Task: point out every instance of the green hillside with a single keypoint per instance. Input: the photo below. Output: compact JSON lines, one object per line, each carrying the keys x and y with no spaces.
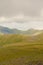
{"x":15,"y":38}
{"x":21,"y":49}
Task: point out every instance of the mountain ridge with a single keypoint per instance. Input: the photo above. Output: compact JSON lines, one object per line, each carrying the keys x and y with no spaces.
{"x":6,"y":30}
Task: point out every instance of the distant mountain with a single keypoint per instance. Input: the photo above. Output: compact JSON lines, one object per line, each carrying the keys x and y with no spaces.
{"x":6,"y":30}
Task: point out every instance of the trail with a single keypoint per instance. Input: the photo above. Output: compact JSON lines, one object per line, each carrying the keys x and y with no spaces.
{"x":15,"y":44}
{"x":36,"y":33}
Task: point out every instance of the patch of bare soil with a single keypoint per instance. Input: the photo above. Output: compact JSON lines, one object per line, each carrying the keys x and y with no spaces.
{"x":15,"y":44}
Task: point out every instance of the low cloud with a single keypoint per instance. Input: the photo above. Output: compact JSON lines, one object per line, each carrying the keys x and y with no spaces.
{"x":20,"y":19}
{"x":24,"y":25}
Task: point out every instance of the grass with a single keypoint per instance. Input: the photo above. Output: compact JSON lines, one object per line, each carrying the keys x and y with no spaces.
{"x":31,"y":53}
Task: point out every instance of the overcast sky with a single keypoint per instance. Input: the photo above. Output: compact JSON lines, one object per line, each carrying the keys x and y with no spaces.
{"x":21,"y":12}
{"x":11,"y":8}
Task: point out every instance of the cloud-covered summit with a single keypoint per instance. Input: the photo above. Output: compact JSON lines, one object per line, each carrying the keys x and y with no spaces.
{"x":21,"y":14}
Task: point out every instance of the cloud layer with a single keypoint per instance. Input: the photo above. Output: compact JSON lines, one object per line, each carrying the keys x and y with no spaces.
{"x":21,"y":14}
{"x":23,"y":26}
{"x":30,"y":8}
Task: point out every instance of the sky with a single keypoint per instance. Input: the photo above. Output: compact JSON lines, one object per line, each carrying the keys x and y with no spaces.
{"x":21,"y":14}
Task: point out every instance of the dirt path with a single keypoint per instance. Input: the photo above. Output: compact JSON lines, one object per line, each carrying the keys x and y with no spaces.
{"x":15,"y":44}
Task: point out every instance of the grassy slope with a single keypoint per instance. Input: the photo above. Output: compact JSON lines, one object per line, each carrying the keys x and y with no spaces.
{"x":31,"y":53}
